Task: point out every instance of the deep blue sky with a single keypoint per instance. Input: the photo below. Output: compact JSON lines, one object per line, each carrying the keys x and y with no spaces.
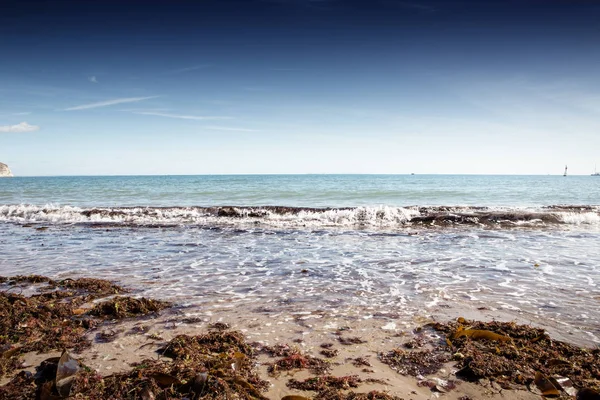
{"x":299,"y":86}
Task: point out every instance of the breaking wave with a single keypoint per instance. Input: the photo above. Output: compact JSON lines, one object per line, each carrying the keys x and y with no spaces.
{"x":279,"y":216}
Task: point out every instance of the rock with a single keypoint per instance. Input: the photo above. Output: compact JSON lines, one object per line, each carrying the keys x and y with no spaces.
{"x":4,"y":171}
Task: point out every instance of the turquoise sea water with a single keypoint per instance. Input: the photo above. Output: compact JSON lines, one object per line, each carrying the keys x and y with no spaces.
{"x":301,"y":190}
{"x":521,"y":247}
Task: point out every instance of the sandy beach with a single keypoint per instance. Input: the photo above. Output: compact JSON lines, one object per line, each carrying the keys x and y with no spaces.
{"x":355,"y":351}
{"x":118,"y":355}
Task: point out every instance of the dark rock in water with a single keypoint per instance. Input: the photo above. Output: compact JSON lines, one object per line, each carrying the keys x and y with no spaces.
{"x":228,"y":212}
{"x":4,"y":171}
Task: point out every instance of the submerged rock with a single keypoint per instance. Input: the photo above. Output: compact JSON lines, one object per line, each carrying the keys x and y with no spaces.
{"x":4,"y":171}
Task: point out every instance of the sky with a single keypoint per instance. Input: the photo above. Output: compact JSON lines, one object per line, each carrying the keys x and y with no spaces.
{"x":299,"y":86}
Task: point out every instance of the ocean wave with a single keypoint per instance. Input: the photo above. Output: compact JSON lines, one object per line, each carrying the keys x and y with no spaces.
{"x":379,"y":216}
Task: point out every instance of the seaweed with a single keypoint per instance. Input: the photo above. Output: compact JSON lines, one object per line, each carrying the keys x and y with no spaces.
{"x":415,"y":363}
{"x":9,"y":360}
{"x":51,"y":318}
{"x":92,"y":285}
{"x":336,"y":388}
{"x":219,"y":326}
{"x":208,"y":343}
{"x":202,"y":367}
{"x":107,"y":336}
{"x":528,"y":353}
{"x":125,"y":307}
{"x":416,"y":343}
{"x":88,"y":285}
{"x":508,"y":354}
{"x":328,"y":350}
{"x":39,"y":324}
{"x":334,"y":394}
{"x":279,"y":350}
{"x":350,"y":341}
{"x":361,"y":362}
{"x":139,"y":330}
{"x":21,"y":387}
{"x":297,"y":360}
{"x":329,"y":353}
{"x":321,"y":383}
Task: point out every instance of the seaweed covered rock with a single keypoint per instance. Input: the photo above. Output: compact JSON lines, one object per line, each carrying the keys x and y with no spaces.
{"x":126,"y":307}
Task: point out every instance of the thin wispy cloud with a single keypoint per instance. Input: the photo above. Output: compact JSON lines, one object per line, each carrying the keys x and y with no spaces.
{"x":108,"y":103}
{"x":186,"y":69}
{"x":22,"y":113}
{"x":179,"y":116}
{"x":93,"y":79}
{"x":19,"y":128}
{"x":145,"y":110}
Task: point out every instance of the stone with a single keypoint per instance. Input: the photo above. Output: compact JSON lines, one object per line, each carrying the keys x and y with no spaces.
{"x":4,"y":171}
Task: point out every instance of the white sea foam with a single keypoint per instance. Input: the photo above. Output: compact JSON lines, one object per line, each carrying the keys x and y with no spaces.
{"x":379,"y":216}
{"x":590,"y":218}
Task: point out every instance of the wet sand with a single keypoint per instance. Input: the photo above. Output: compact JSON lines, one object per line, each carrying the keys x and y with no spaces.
{"x":306,"y":333}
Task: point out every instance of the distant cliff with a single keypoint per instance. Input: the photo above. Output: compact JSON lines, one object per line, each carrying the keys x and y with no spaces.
{"x":4,"y":171}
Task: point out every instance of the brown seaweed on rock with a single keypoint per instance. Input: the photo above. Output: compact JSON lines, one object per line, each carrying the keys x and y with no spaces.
{"x":87,"y":285}
{"x":91,"y":285}
{"x":126,"y":307}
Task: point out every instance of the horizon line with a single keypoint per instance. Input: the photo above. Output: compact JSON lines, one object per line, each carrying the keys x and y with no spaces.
{"x":293,"y":174}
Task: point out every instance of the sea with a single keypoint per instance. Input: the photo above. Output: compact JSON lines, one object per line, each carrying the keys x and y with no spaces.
{"x":394,"y":249}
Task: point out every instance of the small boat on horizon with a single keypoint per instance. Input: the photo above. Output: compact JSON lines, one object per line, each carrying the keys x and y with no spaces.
{"x":596,"y":173}
{"x":565,"y":174}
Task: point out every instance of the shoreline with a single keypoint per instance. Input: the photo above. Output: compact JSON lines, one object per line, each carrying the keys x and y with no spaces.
{"x":116,"y":345}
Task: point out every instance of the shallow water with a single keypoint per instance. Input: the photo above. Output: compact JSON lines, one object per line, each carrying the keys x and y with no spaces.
{"x":507,"y":254}
{"x":544,"y":276}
